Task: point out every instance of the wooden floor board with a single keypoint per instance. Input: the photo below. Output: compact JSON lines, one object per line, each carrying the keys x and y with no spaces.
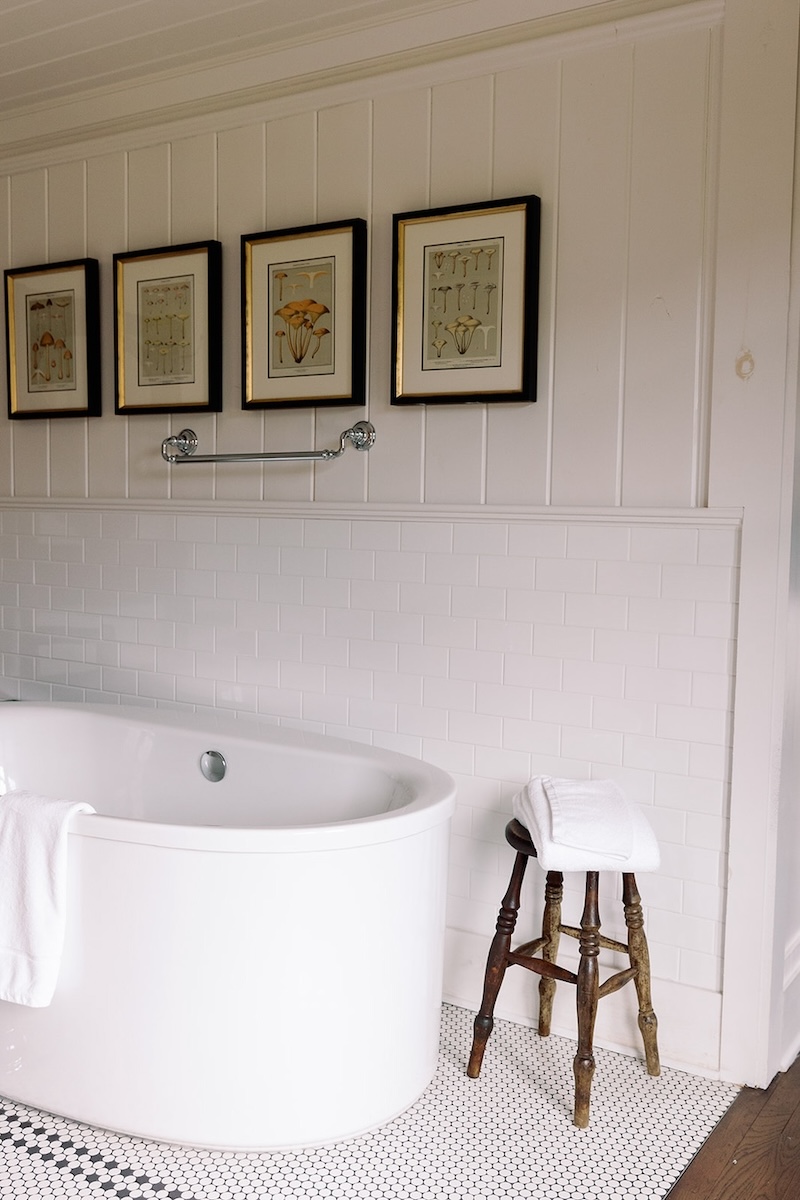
{"x":754,"y":1152}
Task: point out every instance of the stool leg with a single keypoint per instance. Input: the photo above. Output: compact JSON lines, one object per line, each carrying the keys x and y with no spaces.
{"x":640,"y":959}
{"x":551,"y":929}
{"x":588,"y":984}
{"x":496,"y":965}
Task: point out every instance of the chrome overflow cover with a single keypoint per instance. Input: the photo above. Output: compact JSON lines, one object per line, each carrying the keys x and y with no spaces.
{"x":213,"y":765}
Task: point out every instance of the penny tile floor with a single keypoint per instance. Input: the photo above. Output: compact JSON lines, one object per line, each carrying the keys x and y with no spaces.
{"x":508,"y":1134}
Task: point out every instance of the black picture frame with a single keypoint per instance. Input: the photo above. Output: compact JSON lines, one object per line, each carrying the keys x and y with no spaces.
{"x":304,"y":316}
{"x":53,"y":340}
{"x":168,"y":329}
{"x":465,"y":284}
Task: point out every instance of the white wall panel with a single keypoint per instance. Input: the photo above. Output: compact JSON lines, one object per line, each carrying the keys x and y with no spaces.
{"x":105,"y":209}
{"x":401,"y":159}
{"x":592,"y":261}
{"x":616,"y":139}
{"x":665,"y":340}
{"x":526,"y":144}
{"x":345,"y":136}
{"x":240,"y":210}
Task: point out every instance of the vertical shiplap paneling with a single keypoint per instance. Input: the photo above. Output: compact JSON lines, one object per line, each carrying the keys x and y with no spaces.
{"x":240,"y":209}
{"x":592,"y":253}
{"x":668,"y":172}
{"x":345,"y":135}
{"x":400,"y":161}
{"x":105,"y":208}
{"x":526,"y":114}
{"x":148,"y":228}
{"x":6,"y":447}
{"x":291,"y":197}
{"x":31,"y":439}
{"x":193,"y":200}
{"x":66,"y":231}
{"x":461,"y":173}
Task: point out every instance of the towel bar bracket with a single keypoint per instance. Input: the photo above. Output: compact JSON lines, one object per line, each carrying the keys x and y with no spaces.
{"x":182,"y":448}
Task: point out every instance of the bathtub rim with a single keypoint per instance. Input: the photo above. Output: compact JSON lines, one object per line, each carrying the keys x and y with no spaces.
{"x":434,"y":803}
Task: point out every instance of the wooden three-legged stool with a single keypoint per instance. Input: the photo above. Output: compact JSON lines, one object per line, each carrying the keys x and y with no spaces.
{"x":539,"y":956}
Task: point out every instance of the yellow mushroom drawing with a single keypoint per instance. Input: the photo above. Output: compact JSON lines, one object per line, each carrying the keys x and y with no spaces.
{"x":300,"y":318}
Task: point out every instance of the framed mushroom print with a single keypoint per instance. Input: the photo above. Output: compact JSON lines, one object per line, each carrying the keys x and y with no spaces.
{"x":465,"y":303}
{"x":304,"y":312}
{"x":168,"y":329}
{"x":53,"y":340}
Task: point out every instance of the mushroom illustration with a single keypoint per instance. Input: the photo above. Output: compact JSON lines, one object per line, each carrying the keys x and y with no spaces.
{"x":476,"y":251}
{"x":459,"y":288}
{"x":474,"y":285}
{"x":462,"y":331}
{"x":438,"y":258}
{"x":280,"y":335}
{"x":319,"y":334}
{"x":490,"y":252}
{"x":453,"y":255}
{"x":485,"y":330}
{"x":60,"y":346}
{"x":464,"y":259}
{"x":280,"y":276}
{"x":46,"y":341}
{"x":68,"y":363}
{"x":311,"y":276}
{"x":489,"y":288}
{"x":444,"y":290}
{"x":300,"y":317}
{"x":439,"y":345}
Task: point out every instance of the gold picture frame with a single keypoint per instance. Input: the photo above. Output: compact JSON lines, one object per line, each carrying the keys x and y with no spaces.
{"x":465,"y":303}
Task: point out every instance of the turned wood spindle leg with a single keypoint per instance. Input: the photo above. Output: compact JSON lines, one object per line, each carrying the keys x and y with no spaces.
{"x":496,"y":965}
{"x":551,"y":929}
{"x":588,"y":984}
{"x":640,"y":960}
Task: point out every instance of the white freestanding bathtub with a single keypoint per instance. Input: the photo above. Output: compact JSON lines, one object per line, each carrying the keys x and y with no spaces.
{"x":253,"y":963}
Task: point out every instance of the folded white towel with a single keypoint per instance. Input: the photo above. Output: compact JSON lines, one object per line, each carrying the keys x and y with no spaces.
{"x":33,"y":887}
{"x":585,"y":825}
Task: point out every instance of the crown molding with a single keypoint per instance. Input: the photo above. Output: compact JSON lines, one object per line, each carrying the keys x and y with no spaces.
{"x":194,"y":101}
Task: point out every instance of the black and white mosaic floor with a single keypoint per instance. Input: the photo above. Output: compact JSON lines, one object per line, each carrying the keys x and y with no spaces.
{"x":508,"y":1134}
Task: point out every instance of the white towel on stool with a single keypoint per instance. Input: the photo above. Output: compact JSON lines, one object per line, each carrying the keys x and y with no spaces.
{"x":585,"y":825}
{"x":33,"y":887}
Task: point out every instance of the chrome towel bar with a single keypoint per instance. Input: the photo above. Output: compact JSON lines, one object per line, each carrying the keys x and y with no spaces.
{"x":181,"y":447}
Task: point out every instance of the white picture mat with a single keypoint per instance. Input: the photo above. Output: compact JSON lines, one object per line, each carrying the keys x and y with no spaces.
{"x":417,"y":233}
{"x":336,"y":244}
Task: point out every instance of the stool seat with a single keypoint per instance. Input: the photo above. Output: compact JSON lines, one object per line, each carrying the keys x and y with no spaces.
{"x":540,"y":955}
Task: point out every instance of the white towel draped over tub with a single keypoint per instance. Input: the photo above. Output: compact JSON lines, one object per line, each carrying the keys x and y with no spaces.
{"x":33,"y":888}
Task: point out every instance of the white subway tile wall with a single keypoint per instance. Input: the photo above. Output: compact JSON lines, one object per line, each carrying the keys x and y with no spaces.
{"x":497,"y":649}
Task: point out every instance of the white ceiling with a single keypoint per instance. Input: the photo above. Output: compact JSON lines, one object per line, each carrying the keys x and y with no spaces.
{"x":56,"y":49}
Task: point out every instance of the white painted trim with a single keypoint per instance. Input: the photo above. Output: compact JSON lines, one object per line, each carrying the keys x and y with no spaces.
{"x":791,"y":963}
{"x":701,"y":518}
{"x":198,"y":101}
